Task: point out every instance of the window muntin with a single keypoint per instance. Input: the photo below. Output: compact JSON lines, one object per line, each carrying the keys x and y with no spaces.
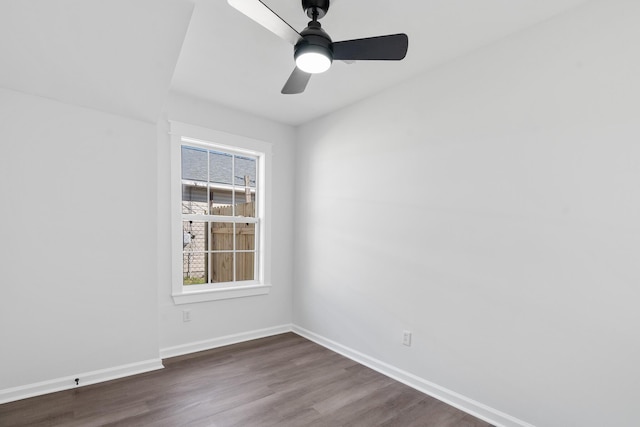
{"x":219,"y":221}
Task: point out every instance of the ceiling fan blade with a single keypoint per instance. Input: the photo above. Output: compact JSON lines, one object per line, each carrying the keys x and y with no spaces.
{"x":297,"y":82}
{"x":263,"y":15}
{"x":385,"y":48}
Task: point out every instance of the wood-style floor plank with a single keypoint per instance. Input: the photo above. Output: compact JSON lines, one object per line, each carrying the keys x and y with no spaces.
{"x":281,"y":381}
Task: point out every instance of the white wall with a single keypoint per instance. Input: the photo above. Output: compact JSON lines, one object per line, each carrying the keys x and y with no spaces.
{"x":78,"y":240}
{"x":491,"y":207}
{"x":85,"y":243}
{"x":214,"y":320}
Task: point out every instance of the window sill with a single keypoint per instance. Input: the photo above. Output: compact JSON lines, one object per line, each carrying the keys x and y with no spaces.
{"x":190,"y":297}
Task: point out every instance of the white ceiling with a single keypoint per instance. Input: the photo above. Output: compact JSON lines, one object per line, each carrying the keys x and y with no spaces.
{"x":116,"y":56}
{"x":119,"y":55}
{"x":230,"y":59}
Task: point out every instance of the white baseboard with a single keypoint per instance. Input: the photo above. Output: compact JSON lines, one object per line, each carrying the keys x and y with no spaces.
{"x":194,"y":347}
{"x":452,"y":398}
{"x":86,"y":378}
{"x":93,"y":377}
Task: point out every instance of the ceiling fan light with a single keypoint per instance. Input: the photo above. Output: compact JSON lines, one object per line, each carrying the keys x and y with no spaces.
{"x":313,"y":62}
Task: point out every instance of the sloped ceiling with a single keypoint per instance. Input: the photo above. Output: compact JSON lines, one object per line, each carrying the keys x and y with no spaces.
{"x":232,"y":60}
{"x":120,"y":56}
{"x":116,"y":56}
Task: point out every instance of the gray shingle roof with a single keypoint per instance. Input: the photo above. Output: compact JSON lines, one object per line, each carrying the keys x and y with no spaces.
{"x":221,"y":167}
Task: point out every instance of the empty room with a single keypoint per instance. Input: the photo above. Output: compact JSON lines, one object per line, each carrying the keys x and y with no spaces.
{"x":320,"y":213}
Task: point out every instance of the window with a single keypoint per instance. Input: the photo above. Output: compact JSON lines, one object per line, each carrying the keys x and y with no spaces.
{"x":219,"y":194}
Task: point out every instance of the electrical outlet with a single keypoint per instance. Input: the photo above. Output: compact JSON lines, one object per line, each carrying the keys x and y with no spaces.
{"x":186,"y":315}
{"x":406,"y":338}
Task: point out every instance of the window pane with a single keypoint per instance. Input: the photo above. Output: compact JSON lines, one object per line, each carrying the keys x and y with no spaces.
{"x":220,"y":167}
{"x":221,"y":236}
{"x":245,"y":237}
{"x":194,"y":236}
{"x":194,"y":268}
{"x":244,"y":266}
{"x":194,"y":199}
{"x":245,"y":203}
{"x":245,"y":172}
{"x":226,"y":210}
{"x":221,"y":201}
{"x":221,"y":267}
{"x":194,"y":164}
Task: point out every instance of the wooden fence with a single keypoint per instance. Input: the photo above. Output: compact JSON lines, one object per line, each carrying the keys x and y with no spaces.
{"x":222,"y":239}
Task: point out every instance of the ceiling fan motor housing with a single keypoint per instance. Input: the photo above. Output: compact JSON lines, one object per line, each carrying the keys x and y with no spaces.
{"x":314,"y":39}
{"x":319,"y":6}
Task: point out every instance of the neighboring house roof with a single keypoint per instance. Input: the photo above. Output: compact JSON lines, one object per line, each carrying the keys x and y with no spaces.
{"x":220,"y":167}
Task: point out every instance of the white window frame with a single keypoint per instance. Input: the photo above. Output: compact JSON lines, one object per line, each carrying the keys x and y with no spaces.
{"x":182,"y":133}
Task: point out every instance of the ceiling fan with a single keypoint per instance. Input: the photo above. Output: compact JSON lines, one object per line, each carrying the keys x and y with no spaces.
{"x":314,"y":51}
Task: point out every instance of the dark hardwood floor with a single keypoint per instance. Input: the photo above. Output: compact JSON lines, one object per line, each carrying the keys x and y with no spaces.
{"x":283,"y":380}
